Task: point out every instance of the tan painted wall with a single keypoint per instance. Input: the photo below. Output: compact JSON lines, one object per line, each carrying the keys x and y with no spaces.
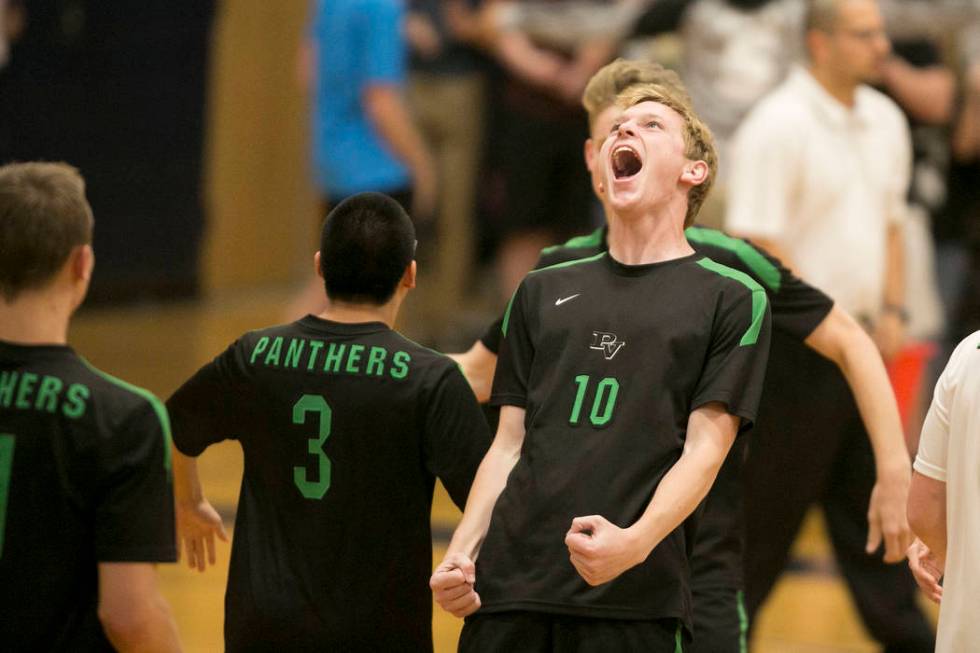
{"x":261,"y":215}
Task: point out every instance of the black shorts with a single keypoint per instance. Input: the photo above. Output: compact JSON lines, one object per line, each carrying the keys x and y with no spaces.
{"x":721,"y":624}
{"x":538,"y":632}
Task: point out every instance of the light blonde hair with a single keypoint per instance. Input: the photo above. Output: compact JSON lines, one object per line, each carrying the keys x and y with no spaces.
{"x":614,"y":78}
{"x":699,"y":144}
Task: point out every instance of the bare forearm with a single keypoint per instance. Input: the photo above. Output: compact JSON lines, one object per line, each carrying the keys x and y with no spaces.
{"x":966,"y":133}
{"x":187,"y":482}
{"x":710,"y":435}
{"x":390,"y":117}
{"x":491,"y":477}
{"x":925,"y":93}
{"x":516,"y":52}
{"x":154,"y":631}
{"x":478,"y":366}
{"x":895,"y":267}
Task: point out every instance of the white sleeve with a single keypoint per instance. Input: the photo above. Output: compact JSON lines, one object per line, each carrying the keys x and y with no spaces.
{"x":762,"y":172}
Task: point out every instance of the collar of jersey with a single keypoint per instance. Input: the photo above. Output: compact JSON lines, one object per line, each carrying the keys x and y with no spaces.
{"x":647,"y":268}
{"x":329,"y":326}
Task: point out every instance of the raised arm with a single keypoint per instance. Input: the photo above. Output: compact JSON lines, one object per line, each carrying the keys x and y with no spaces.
{"x":601,"y":551}
{"x":452,"y":582}
{"x":842,"y":340}
{"x":133,"y":613}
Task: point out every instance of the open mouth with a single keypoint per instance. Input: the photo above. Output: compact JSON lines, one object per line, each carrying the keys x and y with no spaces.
{"x":625,"y":162}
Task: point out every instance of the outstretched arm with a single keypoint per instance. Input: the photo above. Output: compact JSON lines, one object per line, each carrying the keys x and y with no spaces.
{"x":452,"y":582}
{"x":842,"y":340}
{"x":601,"y":551}
{"x":197,"y":521}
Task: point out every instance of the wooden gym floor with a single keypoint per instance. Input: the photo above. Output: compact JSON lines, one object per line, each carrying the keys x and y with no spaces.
{"x":158,"y":346}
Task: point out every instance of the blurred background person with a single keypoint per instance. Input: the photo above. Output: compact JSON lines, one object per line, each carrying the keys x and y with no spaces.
{"x":819,"y":174}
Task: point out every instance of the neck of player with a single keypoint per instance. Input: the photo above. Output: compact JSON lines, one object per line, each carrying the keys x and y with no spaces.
{"x":36,"y":318}
{"x":647,"y":238}
{"x":354,"y":313}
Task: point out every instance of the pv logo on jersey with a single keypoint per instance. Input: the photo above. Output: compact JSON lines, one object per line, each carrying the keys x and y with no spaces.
{"x":607,"y":343}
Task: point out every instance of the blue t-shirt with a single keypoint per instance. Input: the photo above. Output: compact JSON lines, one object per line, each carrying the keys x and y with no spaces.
{"x":359,"y":43}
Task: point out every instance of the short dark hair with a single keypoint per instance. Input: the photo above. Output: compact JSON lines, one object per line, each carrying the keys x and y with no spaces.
{"x":367,"y":242}
{"x":43,"y":216}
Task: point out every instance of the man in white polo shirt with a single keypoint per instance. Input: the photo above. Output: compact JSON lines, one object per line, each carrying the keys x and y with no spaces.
{"x":944,"y":500}
{"x":818,"y":176}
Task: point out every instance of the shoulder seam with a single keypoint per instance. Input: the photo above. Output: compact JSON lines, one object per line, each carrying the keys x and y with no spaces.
{"x":759,"y":299}
{"x":149,"y":397}
{"x":746,"y":252}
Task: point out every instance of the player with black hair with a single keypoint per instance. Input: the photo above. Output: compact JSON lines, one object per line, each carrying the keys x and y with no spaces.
{"x":345,"y":424}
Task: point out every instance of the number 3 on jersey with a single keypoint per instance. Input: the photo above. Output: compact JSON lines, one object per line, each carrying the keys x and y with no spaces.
{"x":6,"y":466}
{"x":314,"y":404}
{"x":603,"y":404}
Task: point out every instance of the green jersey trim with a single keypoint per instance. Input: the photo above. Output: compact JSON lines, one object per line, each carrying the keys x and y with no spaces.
{"x":593,"y":239}
{"x":157,"y":405}
{"x":743,"y":623}
{"x":753,"y":258}
{"x":751,"y":336}
{"x":565,"y":264}
{"x":678,"y":648}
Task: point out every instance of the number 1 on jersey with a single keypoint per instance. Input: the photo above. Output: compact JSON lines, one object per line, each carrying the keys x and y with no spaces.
{"x":314,"y":404}
{"x":6,"y":467}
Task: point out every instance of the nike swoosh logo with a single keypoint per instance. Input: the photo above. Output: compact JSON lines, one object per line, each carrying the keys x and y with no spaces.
{"x":559,"y":302}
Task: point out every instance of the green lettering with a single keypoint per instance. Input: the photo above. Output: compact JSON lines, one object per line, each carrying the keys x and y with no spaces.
{"x":315,"y":347}
{"x":47,"y":395}
{"x":78,"y":394}
{"x":354,"y":358}
{"x":275,"y":352}
{"x":582,"y":380}
{"x":399,"y":365}
{"x":335,"y":354}
{"x":606,"y":393}
{"x":259,"y":348}
{"x":314,"y":404}
{"x":27,"y":381}
{"x":294,"y":352}
{"x":8,"y":381}
{"x":376,"y":361}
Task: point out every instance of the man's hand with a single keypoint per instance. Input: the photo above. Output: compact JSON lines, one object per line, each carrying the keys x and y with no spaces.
{"x":887,"y":514}
{"x":452,"y":585}
{"x":926,"y":569}
{"x":600,"y":550}
{"x":197,"y":524}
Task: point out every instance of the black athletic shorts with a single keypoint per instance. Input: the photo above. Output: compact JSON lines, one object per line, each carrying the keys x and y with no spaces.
{"x":721,"y":624}
{"x":538,"y":632}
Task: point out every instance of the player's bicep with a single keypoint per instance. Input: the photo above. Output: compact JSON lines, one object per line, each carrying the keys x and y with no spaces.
{"x":711,"y":431}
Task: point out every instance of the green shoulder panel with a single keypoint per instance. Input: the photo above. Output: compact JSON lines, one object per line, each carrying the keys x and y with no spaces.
{"x":759,"y":299}
{"x":754,"y":259}
{"x":158,"y":407}
{"x":593,"y":239}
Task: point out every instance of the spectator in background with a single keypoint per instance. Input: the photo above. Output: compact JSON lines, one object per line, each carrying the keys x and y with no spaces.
{"x":354,"y":62}
{"x":537,"y":147}
{"x":364,"y":138}
{"x":446,"y":93}
{"x":819,"y":174}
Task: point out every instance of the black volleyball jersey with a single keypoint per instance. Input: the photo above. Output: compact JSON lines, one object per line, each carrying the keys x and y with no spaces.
{"x":797,"y":309}
{"x":344,"y":429}
{"x":609,"y":361}
{"x":84,"y":478}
